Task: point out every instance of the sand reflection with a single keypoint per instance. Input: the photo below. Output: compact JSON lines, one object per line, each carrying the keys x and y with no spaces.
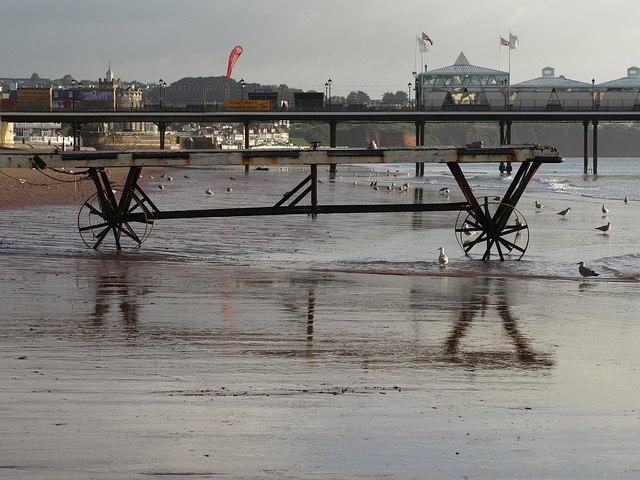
{"x":491,"y":295}
{"x":117,"y":295}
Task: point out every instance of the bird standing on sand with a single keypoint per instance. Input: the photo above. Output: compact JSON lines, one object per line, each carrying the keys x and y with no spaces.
{"x":605,"y":211}
{"x":538,"y":205}
{"x":564,"y":212}
{"x":444,"y":191}
{"x":209,"y":192}
{"x":586,"y":271}
{"x":442,"y":258}
{"x":604,"y":228}
{"x":626,"y":199}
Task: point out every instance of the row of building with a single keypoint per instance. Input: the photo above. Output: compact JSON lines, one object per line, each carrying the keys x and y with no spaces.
{"x":466,"y":86}
{"x":458,"y":86}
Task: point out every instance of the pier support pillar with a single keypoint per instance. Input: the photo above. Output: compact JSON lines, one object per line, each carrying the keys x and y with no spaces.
{"x":76,"y":131}
{"x":333,"y":142}
{"x":162,"y":129}
{"x":585,"y":146}
{"x":420,"y":143}
{"x":505,"y":139}
{"x":595,"y":147}
{"x":246,"y":142}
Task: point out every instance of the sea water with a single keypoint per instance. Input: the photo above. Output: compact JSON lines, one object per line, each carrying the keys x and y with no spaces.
{"x":391,"y":243}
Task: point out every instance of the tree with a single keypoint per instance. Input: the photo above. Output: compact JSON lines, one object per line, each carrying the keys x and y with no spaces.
{"x":358,"y":97}
{"x":66,"y":80}
{"x":398,"y":97}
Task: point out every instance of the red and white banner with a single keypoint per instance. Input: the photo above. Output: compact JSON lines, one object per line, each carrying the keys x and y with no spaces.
{"x":235,"y":53}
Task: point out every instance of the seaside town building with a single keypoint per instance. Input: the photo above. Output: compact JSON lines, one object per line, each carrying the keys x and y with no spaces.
{"x":460,"y":86}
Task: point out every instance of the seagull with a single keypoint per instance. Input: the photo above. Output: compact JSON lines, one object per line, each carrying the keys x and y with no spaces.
{"x":467,"y":231}
{"x":209,"y":192}
{"x":605,"y":211}
{"x":538,"y":205}
{"x":443,"y":259}
{"x":586,"y":271}
{"x":564,"y":212}
{"x":604,"y":228}
{"x":626,"y":199}
{"x":229,"y":189}
{"x":444,"y":191}
{"x":161,"y":187}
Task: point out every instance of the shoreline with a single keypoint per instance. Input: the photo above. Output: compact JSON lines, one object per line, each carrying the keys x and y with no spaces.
{"x":22,"y":187}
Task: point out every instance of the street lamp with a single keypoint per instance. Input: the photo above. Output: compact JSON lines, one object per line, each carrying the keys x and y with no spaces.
{"x":73,"y":94}
{"x":326,"y":94}
{"x":593,"y":98}
{"x":163,"y":86}
{"x":329,"y":84}
{"x":409,"y":91}
{"x":242,"y":87}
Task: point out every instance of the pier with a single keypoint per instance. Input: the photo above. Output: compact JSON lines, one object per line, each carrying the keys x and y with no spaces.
{"x":505,"y":119}
{"x":485,"y":229}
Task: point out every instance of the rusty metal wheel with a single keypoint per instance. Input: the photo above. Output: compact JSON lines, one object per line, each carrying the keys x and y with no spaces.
{"x":101,"y":214}
{"x":497,"y":230}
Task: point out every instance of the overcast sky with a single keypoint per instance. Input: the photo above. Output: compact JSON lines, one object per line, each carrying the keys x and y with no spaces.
{"x":367,"y":45}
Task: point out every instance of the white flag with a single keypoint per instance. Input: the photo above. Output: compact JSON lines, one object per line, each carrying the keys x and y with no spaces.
{"x":423,"y":45}
{"x":513,"y":41}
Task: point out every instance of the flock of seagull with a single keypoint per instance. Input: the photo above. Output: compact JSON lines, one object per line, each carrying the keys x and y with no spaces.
{"x":605,"y":213}
{"x":443,"y":260}
{"x":585,"y":271}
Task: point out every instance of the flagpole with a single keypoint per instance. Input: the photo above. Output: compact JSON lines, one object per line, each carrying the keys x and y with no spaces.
{"x":499,"y":47}
{"x":509,"y":79}
{"x":415,"y":56}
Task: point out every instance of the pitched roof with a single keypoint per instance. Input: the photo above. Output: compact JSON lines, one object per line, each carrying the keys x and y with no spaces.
{"x":463,"y":67}
{"x":548,"y":82}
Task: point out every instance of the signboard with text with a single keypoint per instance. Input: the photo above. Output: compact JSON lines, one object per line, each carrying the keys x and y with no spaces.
{"x":259,"y":105}
{"x":97,"y":95}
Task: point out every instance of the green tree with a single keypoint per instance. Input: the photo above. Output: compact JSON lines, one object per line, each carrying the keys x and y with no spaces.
{"x":358,"y":97}
{"x":398,"y":97}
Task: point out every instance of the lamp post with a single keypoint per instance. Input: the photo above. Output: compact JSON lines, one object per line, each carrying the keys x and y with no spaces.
{"x":73,"y":94}
{"x":326,"y":95}
{"x":328,"y":84}
{"x":163,"y":87}
{"x":242,"y":87}
{"x":409,"y":93}
{"x":593,"y":98}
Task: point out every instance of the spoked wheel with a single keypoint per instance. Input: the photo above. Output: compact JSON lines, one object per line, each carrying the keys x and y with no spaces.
{"x":100,"y":215}
{"x":497,"y":230}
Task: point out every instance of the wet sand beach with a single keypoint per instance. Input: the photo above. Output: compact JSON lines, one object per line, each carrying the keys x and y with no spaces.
{"x":335,"y":348}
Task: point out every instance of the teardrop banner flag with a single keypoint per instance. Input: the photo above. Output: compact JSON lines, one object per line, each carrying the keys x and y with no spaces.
{"x":233,"y":57}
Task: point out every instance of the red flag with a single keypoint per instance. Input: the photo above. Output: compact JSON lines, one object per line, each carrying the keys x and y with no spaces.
{"x":504,"y":42}
{"x":235,"y":53}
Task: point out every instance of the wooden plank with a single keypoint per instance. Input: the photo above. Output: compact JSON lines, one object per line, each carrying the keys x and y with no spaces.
{"x":289,"y":157}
